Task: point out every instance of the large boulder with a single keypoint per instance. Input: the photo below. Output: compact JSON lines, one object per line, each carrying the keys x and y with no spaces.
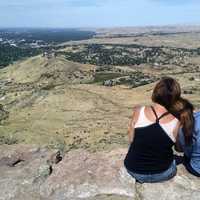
{"x":22,"y":170}
{"x":38,"y":173}
{"x":83,"y":175}
{"x":183,"y":186}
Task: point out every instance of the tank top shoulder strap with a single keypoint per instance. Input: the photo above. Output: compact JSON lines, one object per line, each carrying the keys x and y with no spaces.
{"x":163,"y":115}
{"x":140,"y":115}
{"x":142,"y":110}
{"x":158,"y":118}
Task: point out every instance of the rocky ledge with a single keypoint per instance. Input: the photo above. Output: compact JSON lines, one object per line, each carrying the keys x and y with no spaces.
{"x":38,"y":173}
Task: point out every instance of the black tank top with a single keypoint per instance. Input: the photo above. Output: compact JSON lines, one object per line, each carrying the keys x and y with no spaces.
{"x":151,"y":150}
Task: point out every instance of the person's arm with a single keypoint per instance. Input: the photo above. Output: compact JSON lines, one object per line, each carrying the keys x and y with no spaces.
{"x":131,"y":126}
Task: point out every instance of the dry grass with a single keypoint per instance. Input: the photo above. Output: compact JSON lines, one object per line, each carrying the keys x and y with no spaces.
{"x":83,"y":115}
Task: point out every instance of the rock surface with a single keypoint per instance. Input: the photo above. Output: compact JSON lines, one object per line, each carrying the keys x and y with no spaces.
{"x":38,"y":173}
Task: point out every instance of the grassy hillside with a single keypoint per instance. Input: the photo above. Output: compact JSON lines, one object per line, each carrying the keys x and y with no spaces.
{"x":37,"y":68}
{"x":58,"y":103}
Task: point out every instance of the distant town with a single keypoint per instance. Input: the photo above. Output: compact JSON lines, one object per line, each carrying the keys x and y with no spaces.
{"x":16,"y":44}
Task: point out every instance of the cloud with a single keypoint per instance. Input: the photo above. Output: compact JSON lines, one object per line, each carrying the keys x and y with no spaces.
{"x":85,"y":13}
{"x":51,"y":3}
{"x":31,"y":4}
{"x":84,"y":3}
{"x":175,"y":2}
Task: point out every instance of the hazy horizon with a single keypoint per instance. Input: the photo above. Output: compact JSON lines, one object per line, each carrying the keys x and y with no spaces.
{"x":100,"y":27}
{"x":98,"y":13}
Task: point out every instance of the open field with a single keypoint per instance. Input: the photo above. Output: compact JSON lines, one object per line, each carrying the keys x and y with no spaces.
{"x":67,"y":105}
{"x":179,"y":40}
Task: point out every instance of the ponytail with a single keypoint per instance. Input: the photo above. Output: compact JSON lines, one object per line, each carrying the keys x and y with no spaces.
{"x":183,"y":110}
{"x":167,"y":93}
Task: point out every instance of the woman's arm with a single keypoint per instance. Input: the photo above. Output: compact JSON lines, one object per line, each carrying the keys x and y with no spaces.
{"x":131,"y":126}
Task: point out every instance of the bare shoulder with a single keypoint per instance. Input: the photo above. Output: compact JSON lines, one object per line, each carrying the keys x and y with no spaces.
{"x":135,"y":112}
{"x":136,"y":109}
{"x":148,"y":109}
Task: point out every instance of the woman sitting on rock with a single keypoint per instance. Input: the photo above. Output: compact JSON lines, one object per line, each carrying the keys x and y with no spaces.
{"x":152,"y":133}
{"x":190,"y":146}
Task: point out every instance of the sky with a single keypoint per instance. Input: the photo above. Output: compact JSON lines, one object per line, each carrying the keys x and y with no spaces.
{"x":98,"y":13}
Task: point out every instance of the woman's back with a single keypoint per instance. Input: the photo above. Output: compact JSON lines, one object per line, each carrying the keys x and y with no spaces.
{"x":147,"y":117}
{"x":151,"y":149}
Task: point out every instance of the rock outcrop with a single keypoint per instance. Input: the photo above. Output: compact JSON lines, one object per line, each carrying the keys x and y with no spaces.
{"x":38,"y":173}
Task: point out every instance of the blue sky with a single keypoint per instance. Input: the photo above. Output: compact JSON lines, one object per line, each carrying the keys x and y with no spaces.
{"x":97,"y":13}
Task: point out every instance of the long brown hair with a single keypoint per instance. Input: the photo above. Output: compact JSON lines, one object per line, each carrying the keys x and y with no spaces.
{"x":167,"y":93}
{"x":183,"y":110}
